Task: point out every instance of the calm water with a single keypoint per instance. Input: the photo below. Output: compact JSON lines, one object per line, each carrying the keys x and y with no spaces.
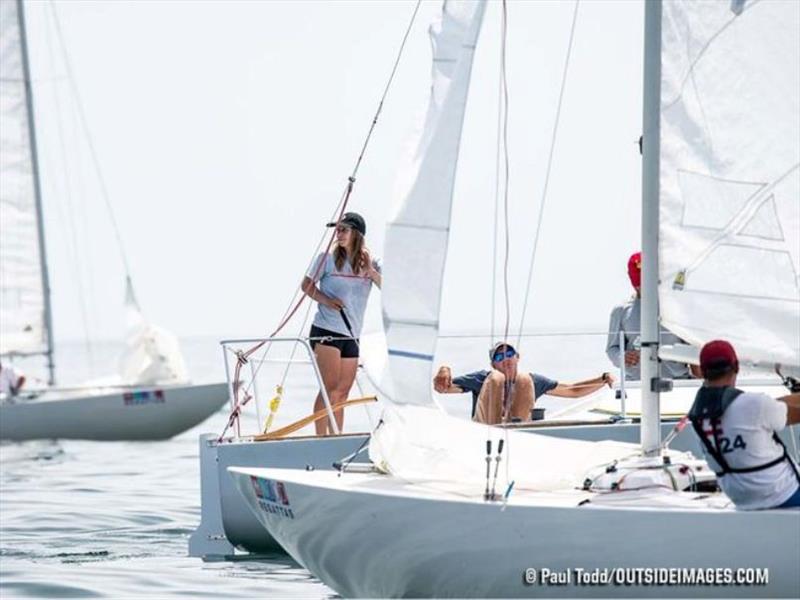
{"x":112,"y":519}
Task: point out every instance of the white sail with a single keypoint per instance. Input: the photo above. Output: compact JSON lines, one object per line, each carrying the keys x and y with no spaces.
{"x":417,"y":441}
{"x":425,"y":445}
{"x":152,"y":355}
{"x":416,"y":236}
{"x":730,"y":175}
{"x":22,"y":302}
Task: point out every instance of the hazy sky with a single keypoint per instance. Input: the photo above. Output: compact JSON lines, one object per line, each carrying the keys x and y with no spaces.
{"x":226,"y":132}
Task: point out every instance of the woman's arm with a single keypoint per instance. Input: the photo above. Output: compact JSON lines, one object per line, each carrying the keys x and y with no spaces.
{"x":369,"y":268}
{"x":311,"y":290}
{"x":376,"y":277}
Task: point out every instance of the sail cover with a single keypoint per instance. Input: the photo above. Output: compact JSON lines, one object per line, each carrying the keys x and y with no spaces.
{"x":22,"y":319}
{"x":416,"y":235}
{"x":730,"y":175}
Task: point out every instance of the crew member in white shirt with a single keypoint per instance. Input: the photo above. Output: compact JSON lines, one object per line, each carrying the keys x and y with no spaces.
{"x":738,"y":433}
{"x":11,"y":381}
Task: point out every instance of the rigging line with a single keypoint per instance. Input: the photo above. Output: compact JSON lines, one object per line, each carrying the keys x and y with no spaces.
{"x":493,"y":330}
{"x":89,"y":141}
{"x":65,"y":171}
{"x":237,"y":405}
{"x":504,"y":79}
{"x":299,"y":296}
{"x":385,"y":90}
{"x":352,"y":178}
{"x":549,"y":165}
{"x":342,"y":203}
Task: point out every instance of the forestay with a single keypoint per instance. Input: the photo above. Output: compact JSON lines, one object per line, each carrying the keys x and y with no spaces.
{"x":22,"y":303}
{"x":730,"y":175}
{"x":416,"y":236}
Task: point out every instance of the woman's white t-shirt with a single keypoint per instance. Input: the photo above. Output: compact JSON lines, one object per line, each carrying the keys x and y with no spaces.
{"x":353,"y":290}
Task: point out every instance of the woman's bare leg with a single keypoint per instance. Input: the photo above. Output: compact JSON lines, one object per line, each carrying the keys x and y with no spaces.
{"x":329,"y":361}
{"x":347,"y":375}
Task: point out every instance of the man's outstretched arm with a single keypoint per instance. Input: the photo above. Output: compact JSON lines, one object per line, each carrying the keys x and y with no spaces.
{"x":443,"y":382}
{"x":580,"y":389}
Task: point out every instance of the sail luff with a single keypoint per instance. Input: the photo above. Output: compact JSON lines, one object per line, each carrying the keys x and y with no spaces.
{"x":25,"y":314}
{"x":416,"y":241}
{"x":37,"y":192}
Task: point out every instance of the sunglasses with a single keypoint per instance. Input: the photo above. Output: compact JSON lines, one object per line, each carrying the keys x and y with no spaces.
{"x":500,"y":355}
{"x":342,"y":228}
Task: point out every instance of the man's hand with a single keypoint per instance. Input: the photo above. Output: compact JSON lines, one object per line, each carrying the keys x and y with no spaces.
{"x":631,"y":358}
{"x":608,"y":379}
{"x":443,"y":380}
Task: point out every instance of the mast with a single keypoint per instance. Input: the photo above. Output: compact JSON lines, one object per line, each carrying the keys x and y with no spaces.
{"x":650,"y":430}
{"x":48,"y":315}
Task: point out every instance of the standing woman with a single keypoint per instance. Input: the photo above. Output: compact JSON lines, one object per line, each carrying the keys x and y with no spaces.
{"x":345,"y":280}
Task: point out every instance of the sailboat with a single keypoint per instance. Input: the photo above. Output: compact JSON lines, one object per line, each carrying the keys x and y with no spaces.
{"x":226,"y":521}
{"x":571,"y":518}
{"x":151,"y":398}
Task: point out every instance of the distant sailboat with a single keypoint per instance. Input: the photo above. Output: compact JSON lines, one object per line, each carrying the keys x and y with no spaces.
{"x":721,"y":83}
{"x":150,"y":398}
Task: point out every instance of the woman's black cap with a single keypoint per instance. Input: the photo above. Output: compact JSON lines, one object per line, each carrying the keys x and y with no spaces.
{"x":351,"y":219}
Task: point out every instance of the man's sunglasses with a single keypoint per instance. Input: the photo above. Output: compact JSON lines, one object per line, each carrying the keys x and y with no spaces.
{"x":500,"y":355}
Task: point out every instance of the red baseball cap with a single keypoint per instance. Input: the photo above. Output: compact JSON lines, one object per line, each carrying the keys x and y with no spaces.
{"x":718,"y":353}
{"x":635,"y":269}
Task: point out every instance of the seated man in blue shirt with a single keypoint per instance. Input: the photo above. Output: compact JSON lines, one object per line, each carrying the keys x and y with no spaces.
{"x":503,"y":394}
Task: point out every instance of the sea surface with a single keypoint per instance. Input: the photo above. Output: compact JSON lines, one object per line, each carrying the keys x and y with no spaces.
{"x":112,"y":519}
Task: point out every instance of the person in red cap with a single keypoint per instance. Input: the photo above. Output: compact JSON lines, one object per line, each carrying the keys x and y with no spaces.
{"x":738,"y":432}
{"x":504,"y":394}
{"x":627,"y":318}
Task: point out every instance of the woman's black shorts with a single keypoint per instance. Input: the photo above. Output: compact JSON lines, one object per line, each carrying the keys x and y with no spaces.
{"x":347,"y":346}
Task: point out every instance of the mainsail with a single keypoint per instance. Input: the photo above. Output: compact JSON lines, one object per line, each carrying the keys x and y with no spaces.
{"x":23,"y":305}
{"x":416,"y":236}
{"x":730,"y":175}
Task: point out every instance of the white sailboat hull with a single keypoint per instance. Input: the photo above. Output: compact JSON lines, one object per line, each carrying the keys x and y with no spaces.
{"x":445,"y":545}
{"x":146,"y":413}
{"x":227,"y":522}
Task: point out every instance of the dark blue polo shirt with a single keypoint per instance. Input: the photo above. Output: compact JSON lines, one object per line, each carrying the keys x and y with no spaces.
{"x":472,"y":382}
